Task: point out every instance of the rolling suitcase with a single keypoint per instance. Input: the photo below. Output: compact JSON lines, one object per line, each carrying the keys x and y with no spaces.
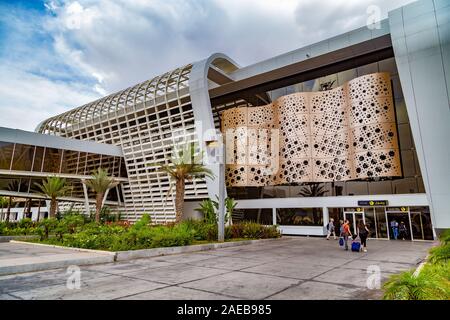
{"x":356,"y":246}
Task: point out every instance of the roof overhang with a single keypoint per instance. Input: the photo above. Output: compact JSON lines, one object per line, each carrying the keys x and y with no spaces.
{"x":49,"y":141}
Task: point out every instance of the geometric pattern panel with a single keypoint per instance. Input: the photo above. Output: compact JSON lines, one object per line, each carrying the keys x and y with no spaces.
{"x":346,"y":133}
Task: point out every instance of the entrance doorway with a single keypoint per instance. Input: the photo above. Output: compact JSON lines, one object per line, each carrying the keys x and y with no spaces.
{"x":417,"y":221}
{"x":354,"y":215}
{"x":399,"y":223}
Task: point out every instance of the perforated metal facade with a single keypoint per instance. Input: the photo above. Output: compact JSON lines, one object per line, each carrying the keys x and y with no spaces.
{"x":347,"y":133}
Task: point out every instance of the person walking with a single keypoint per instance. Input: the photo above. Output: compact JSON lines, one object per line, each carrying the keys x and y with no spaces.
{"x":330,"y":229}
{"x":363,"y":233}
{"x":394,"y":228}
{"x":346,"y":233}
{"x":403,"y":231}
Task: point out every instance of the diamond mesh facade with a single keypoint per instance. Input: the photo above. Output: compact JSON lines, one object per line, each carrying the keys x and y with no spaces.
{"x":145,"y":120}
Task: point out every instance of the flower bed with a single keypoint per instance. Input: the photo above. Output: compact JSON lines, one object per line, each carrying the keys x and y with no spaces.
{"x":73,"y":232}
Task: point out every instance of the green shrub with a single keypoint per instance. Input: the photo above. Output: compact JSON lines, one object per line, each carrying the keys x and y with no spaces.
{"x":441,"y":269}
{"x":71,"y":223}
{"x":445,"y":237}
{"x":46,"y":226}
{"x":440,"y":253}
{"x":270,"y":232}
{"x":143,"y":222}
{"x":234,"y":231}
{"x":426,"y":286}
{"x":252,"y":230}
{"x":210,"y":208}
{"x":178,"y":236}
{"x":25,"y":223}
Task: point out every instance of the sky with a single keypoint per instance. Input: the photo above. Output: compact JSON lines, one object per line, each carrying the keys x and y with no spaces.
{"x":59,"y":54}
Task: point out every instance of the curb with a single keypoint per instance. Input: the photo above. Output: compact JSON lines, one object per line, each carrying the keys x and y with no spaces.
{"x":110,"y":253}
{"x":4,"y":239}
{"x":44,"y":266}
{"x":155,"y":252}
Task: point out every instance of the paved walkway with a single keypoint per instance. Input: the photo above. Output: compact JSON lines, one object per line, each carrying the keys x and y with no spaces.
{"x":18,"y":257}
{"x":289,"y":268}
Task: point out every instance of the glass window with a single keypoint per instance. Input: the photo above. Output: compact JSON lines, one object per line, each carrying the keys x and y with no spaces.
{"x":6,"y":151}
{"x":9,"y":184}
{"x":24,"y":185}
{"x":23,"y":157}
{"x":422,"y":228}
{"x":300,"y":216}
{"x":262,"y":216}
{"x":369,"y":216}
{"x":38,"y":157}
{"x":52,"y":160}
{"x":381,"y":222}
{"x":70,"y":161}
{"x":82,"y":163}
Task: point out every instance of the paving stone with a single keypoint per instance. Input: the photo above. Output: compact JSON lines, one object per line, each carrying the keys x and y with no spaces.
{"x":227,"y":263}
{"x":110,"y":287}
{"x":175,"y":274}
{"x":348,"y":277}
{"x":312,"y":290}
{"x":33,"y":280}
{"x":242,"y":285}
{"x":177,"y":293}
{"x":289,"y":269}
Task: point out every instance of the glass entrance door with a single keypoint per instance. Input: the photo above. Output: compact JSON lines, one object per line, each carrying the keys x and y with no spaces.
{"x":354,"y":215}
{"x":399,"y":223}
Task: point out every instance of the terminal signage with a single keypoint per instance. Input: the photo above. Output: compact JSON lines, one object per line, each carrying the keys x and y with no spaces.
{"x":372,"y":203}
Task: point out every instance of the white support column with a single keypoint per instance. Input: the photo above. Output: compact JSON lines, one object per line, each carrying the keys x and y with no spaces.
{"x":274,"y":216}
{"x":326,"y":218}
{"x":86,"y":199}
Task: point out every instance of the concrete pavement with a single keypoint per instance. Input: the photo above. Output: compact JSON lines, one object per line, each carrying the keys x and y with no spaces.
{"x":18,"y":257}
{"x":289,"y":268}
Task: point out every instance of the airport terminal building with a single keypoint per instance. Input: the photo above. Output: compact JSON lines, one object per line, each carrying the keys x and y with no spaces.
{"x":356,"y":126}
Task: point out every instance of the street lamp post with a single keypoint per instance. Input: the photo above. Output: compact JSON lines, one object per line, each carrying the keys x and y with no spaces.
{"x":216,"y":152}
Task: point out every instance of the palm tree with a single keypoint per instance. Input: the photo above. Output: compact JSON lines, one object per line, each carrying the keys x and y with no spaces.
{"x":185,"y":164}
{"x":100,"y":184}
{"x":53,"y":188}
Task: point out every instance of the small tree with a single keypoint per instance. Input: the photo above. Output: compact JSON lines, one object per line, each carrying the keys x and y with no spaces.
{"x":53,"y":188}
{"x":100,"y":184}
{"x":185,"y":164}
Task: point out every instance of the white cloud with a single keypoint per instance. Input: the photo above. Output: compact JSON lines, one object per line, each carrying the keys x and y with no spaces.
{"x":27,"y":99}
{"x":129,"y":41}
{"x":107,"y":45}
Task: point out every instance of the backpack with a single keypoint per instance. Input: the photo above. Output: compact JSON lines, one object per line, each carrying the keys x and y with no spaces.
{"x":341,"y":241}
{"x":362,"y":231}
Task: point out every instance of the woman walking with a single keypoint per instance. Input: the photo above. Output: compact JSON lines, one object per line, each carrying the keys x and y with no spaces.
{"x":363,"y":233}
{"x":346,"y":233}
{"x":330,"y":229}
